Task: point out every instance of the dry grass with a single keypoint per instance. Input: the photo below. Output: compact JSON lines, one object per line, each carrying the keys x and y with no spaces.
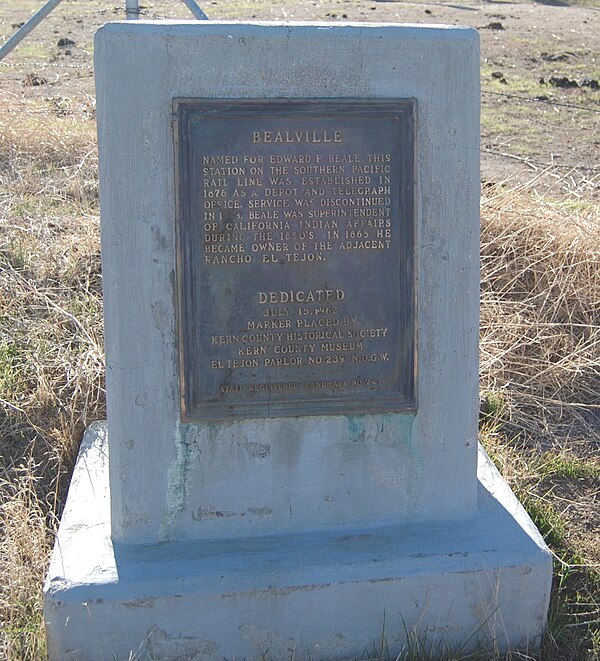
{"x":540,"y":383}
{"x":51,"y":357}
{"x":540,"y":376}
{"x":26,"y":537}
{"x":540,"y":315}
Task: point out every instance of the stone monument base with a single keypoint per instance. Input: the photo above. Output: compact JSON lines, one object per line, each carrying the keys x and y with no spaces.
{"x":484,"y":582}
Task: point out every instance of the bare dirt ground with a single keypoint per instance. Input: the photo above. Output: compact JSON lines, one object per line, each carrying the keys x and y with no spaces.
{"x":540,"y":66}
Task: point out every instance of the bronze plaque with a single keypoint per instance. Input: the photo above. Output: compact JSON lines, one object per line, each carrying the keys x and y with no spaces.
{"x":295,"y":257}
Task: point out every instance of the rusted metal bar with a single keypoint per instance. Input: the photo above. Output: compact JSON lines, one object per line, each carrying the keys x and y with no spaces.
{"x":132,"y":12}
{"x":195,"y":9}
{"x":27,"y":27}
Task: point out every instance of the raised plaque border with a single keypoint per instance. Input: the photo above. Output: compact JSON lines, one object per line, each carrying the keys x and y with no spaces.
{"x":318,"y":405}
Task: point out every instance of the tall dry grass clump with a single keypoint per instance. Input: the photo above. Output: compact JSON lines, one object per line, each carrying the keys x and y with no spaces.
{"x":25,"y":538}
{"x":540,"y":384}
{"x":51,"y":357}
{"x":540,"y":316}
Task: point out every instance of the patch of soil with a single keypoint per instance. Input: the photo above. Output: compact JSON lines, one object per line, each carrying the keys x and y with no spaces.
{"x":546,"y":132}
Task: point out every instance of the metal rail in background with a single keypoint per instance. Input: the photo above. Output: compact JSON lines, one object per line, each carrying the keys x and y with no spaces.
{"x":193,"y":7}
{"x":26,"y":28}
{"x":132,"y":12}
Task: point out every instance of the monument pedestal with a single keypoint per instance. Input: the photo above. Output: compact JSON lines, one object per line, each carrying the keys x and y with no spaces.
{"x":483,"y":581}
{"x":291,"y":276}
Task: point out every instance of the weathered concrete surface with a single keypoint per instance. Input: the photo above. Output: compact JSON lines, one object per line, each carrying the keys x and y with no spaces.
{"x":168,"y":480}
{"x":485,"y":579}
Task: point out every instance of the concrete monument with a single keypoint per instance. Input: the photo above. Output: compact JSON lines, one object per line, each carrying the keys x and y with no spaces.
{"x":290,"y":260}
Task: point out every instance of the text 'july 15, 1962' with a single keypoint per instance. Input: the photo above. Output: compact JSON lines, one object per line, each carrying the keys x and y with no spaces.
{"x":295,"y":257}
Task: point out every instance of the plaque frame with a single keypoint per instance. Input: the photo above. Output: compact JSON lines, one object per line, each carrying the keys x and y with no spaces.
{"x":402,"y":400}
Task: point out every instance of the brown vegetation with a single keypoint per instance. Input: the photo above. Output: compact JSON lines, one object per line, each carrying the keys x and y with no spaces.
{"x":51,"y":356}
